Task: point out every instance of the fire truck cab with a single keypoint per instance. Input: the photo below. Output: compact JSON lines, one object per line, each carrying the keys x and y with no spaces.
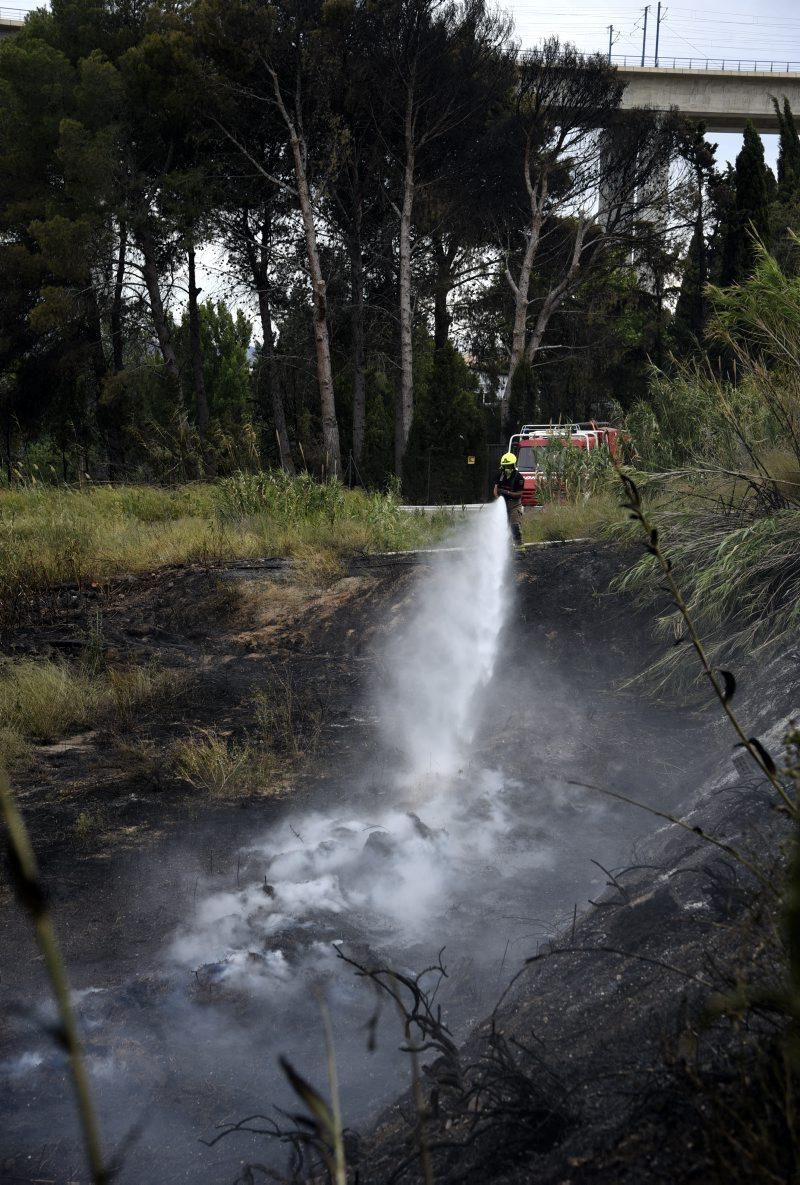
{"x":532,"y":438}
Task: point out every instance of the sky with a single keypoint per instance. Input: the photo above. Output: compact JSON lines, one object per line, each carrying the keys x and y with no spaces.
{"x":728,"y":29}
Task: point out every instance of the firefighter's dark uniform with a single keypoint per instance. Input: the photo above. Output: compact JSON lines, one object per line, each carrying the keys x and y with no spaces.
{"x":508,"y":484}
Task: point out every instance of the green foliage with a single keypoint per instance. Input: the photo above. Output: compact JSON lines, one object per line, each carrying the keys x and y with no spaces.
{"x":732,"y":528}
{"x":694,"y":418}
{"x":788,"y":150}
{"x":691,"y":311}
{"x":50,"y":535}
{"x":224,"y":340}
{"x":572,"y":474}
{"x":739,"y":573}
{"x":697,"y":417}
{"x":761,"y":319}
{"x":283,"y":498}
{"x":105,"y":150}
{"x":448,"y":427}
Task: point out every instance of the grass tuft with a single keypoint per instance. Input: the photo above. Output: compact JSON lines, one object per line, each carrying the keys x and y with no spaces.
{"x":222,"y":767}
{"x":43,"y":700}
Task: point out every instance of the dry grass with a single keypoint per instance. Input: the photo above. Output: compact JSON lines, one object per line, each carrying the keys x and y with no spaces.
{"x":590,"y":519}
{"x":43,"y":700}
{"x":13,"y":746}
{"x":51,"y":536}
{"x":288,"y":721}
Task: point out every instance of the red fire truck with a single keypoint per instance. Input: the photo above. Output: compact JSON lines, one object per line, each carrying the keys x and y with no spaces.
{"x":532,"y":438}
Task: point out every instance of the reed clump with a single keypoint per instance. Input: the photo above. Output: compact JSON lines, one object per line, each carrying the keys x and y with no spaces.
{"x":720,"y":448}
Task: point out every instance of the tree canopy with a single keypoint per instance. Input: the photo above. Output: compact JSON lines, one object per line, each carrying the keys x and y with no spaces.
{"x":357,"y":238}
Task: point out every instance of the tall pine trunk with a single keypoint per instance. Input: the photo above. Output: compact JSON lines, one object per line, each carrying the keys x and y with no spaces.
{"x":359,"y":345}
{"x":330,"y":425}
{"x":405,"y":403}
{"x":270,"y":396}
{"x":521,"y":290}
{"x":117,"y":340}
{"x":522,"y":285}
{"x":160,"y":321}
{"x":322,"y":343}
{"x":196,"y":349}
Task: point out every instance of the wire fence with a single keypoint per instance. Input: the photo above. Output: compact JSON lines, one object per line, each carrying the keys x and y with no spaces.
{"x":729,"y":65}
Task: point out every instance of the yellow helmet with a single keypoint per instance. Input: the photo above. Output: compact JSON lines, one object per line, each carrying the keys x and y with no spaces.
{"x":508,"y":461}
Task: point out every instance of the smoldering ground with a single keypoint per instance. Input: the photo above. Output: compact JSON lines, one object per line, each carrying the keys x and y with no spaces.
{"x":495,"y":690}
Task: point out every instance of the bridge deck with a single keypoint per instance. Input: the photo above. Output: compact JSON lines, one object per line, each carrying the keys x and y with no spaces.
{"x":722,"y":99}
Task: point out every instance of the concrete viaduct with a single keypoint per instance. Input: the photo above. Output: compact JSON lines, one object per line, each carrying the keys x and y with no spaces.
{"x":724,"y":99}
{"x":11,"y":20}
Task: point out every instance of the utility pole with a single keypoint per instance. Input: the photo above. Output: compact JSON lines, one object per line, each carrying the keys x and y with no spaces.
{"x":658,"y":29}
{"x":610,"y":41}
{"x":644,"y":34}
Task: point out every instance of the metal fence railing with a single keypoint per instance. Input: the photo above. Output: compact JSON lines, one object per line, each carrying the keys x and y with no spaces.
{"x":729,"y":65}
{"x":13,"y":14}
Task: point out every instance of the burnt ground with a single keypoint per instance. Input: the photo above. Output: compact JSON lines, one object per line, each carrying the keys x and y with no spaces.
{"x":600,"y":1022}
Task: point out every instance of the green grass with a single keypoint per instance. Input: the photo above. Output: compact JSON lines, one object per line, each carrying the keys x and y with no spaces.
{"x":53,"y":535}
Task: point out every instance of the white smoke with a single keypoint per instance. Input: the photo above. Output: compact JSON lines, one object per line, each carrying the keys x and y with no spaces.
{"x":436,"y":667}
{"x":396,"y":876}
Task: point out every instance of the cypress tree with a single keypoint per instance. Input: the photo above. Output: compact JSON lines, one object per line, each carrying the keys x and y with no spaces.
{"x":691,"y":310}
{"x":753,"y":183}
{"x":788,"y":150}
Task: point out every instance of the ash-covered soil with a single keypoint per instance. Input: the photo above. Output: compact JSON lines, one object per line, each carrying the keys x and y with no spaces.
{"x":177,"y":1052}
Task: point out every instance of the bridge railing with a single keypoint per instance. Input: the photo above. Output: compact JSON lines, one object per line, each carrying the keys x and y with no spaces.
{"x":729,"y":65}
{"x":13,"y":14}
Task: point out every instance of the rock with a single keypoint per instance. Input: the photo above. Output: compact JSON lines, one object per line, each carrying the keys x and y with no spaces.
{"x":380,"y":844}
{"x":423,"y":830}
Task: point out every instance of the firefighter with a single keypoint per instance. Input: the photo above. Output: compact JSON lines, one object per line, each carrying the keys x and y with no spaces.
{"x":509,"y":485}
